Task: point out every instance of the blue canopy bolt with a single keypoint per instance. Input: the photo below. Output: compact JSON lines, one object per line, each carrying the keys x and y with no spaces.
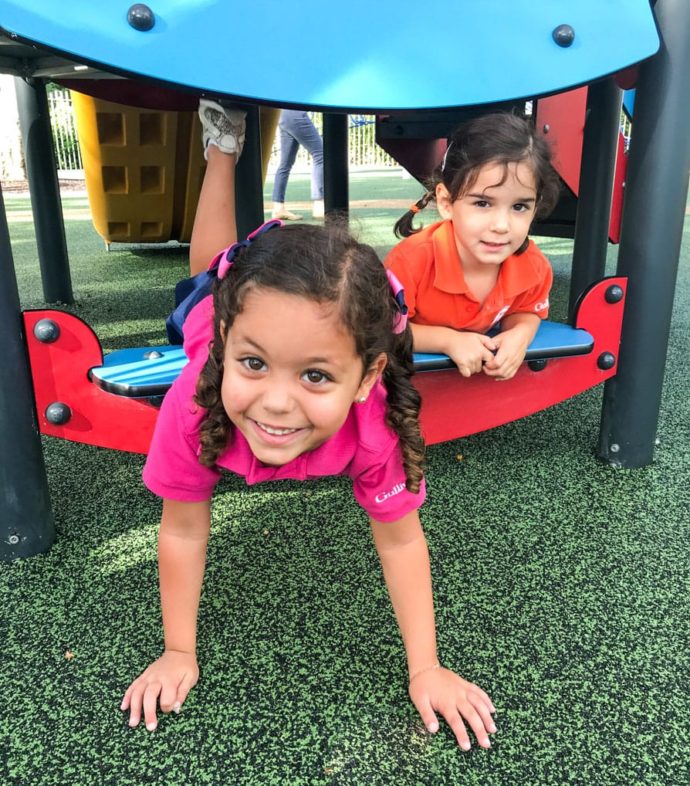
{"x":141,"y":17}
{"x":563,"y":35}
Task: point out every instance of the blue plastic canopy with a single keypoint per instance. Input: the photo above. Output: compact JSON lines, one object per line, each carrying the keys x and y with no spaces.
{"x":356,"y":56}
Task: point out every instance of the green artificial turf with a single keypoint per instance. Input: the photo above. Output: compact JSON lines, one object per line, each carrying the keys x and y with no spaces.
{"x":561,"y":587}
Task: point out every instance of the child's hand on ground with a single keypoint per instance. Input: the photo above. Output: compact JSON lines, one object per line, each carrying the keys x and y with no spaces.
{"x":441,"y":690}
{"x":166,"y":682}
{"x":512,"y":347}
{"x":469,"y":351}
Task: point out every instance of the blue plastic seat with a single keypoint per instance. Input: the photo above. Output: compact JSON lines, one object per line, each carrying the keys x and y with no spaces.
{"x":148,"y":372}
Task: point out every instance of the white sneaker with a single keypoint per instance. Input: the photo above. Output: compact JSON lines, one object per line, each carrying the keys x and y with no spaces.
{"x":318,"y":209}
{"x":222,"y":127}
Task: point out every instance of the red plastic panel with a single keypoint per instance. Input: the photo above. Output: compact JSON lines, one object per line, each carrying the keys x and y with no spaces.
{"x":561,"y":119}
{"x":60,"y":374}
{"x":453,"y":406}
{"x":564,"y":117}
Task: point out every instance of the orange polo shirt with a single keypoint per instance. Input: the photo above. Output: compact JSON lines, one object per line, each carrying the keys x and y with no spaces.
{"x":429,"y":268}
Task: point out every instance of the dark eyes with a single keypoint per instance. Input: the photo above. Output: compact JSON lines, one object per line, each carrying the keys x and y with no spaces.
{"x":253,"y":364}
{"x":519,"y":207}
{"x":315,"y":377}
{"x":312,"y":375}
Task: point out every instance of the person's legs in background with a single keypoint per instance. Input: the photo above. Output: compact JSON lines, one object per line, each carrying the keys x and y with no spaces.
{"x":288,"y":152}
{"x":304,"y":131}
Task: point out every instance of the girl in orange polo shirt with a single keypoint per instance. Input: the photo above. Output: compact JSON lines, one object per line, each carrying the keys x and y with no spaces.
{"x":477,"y":269}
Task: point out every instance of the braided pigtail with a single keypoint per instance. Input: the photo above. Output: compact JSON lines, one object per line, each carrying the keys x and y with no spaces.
{"x":403,"y":226}
{"x":402,"y":413}
{"x":215,"y":427}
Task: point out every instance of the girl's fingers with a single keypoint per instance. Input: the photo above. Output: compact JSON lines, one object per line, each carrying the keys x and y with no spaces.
{"x":483,"y":696}
{"x":182,"y":690}
{"x":126,"y":698}
{"x":150,"y":705}
{"x":454,"y":720}
{"x":135,"y":704}
{"x":427,"y":714}
{"x":484,"y":712}
{"x":168,"y":696}
{"x":476,"y":724}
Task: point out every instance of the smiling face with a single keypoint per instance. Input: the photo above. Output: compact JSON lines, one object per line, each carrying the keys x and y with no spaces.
{"x":291,"y":374}
{"x":491,"y":219}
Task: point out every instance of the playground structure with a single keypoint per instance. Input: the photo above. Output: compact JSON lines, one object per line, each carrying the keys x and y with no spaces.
{"x":554,"y":54}
{"x":143,"y":165}
{"x":112,"y":402}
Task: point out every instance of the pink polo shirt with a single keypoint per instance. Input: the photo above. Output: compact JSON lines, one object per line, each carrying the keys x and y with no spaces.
{"x":364,"y":448}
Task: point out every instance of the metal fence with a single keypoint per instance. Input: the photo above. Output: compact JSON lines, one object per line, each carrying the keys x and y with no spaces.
{"x":62,"y":121}
{"x":363,"y":150}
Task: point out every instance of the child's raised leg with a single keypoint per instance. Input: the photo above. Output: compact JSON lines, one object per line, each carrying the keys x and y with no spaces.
{"x":214,"y":223}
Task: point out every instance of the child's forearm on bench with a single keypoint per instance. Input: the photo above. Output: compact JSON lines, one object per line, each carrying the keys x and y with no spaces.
{"x":432,"y":338}
{"x":527,"y":323}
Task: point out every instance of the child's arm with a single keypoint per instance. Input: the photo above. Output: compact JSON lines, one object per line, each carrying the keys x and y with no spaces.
{"x":517,"y":332}
{"x":404,"y":556}
{"x":469,"y":351}
{"x":214,"y":221}
{"x":181,"y":559}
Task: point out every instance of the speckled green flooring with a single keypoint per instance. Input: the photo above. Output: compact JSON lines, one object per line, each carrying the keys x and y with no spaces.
{"x":561,"y":587}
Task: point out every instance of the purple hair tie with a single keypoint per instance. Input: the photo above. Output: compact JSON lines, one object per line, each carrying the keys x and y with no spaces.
{"x":225,"y":259}
{"x":399,"y":294}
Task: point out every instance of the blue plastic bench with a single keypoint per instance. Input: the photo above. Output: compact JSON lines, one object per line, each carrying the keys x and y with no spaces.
{"x":147,"y":372}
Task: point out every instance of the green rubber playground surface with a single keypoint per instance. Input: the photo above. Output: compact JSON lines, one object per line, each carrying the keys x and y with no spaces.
{"x":562,"y":587}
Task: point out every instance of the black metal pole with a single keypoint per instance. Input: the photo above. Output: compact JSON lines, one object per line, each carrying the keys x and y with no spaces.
{"x":653,"y":216}
{"x":41,"y":170}
{"x":335,"y":163}
{"x":249,"y":193}
{"x":26,"y":520}
{"x":600,"y":142}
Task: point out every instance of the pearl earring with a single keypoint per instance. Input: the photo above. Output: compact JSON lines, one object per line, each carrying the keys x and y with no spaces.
{"x":361,"y":399}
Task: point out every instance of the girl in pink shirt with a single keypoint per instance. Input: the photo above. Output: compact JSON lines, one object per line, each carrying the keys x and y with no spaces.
{"x":299,"y":367}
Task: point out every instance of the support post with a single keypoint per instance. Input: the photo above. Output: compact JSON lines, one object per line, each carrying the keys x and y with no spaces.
{"x":249,"y":186}
{"x":41,"y":170}
{"x":599,"y":146}
{"x":335,"y":163}
{"x":653,"y":216}
{"x":26,"y":520}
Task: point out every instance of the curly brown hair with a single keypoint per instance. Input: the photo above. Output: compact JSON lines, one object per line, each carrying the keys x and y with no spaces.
{"x":325,"y":264}
{"x":496,"y":138}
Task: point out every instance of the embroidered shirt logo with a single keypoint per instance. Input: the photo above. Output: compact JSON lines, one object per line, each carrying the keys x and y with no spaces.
{"x":499,"y":316}
{"x":384,"y":495}
{"x":542,"y":306}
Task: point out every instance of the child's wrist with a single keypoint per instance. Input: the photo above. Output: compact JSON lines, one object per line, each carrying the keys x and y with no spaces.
{"x":423,"y":670}
{"x":181,"y":651}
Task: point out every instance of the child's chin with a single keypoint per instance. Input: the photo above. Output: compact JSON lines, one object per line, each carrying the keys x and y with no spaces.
{"x":278,"y":455}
